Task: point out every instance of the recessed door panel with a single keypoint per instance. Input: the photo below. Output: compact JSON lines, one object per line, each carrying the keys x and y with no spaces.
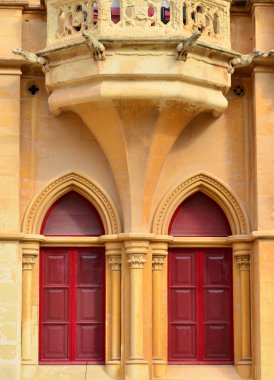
{"x":183,"y":269}
{"x":183,"y":342}
{"x":55,"y":305}
{"x":55,"y":268}
{"x":217,"y":342}
{"x":216,"y":269}
{"x":89,"y":269}
{"x":183,"y":308}
{"x":55,"y":342}
{"x":89,"y":304}
{"x":90,"y":344}
{"x":216,"y":305}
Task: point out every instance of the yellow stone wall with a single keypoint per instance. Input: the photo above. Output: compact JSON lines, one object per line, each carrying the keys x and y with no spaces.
{"x":10,"y":257}
{"x":37,"y":147}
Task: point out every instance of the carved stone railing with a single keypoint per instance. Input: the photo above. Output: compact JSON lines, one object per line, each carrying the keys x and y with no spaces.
{"x":138,"y":19}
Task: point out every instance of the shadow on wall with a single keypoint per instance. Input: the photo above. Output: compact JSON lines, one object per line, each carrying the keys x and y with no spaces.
{"x":193,"y":131}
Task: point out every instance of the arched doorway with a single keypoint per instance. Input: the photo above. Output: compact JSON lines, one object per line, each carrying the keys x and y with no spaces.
{"x":200,"y":320}
{"x":72,"y":286}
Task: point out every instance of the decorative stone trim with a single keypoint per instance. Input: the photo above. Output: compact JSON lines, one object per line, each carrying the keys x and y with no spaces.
{"x":115,"y":262}
{"x":73,"y":181}
{"x":213,"y":188}
{"x":243,"y":262}
{"x":136,"y":261}
{"x":158,"y":262}
{"x":28,"y":262}
{"x":67,"y":20}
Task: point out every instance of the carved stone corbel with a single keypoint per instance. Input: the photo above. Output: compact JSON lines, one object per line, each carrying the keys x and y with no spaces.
{"x":94,"y":45}
{"x":186,"y":45}
{"x":244,"y":60}
{"x":32,"y":58}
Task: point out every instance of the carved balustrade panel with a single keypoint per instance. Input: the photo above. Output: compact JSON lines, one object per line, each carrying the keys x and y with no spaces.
{"x":133,"y":19}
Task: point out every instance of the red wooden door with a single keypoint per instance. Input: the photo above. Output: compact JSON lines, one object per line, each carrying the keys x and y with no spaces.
{"x":200,"y":306}
{"x":72,"y":305}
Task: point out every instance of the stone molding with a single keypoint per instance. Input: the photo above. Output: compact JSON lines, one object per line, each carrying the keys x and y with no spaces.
{"x":212,"y":187}
{"x":54,"y":190}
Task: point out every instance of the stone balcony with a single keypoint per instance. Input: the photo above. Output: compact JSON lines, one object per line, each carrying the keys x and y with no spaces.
{"x":139,"y":19}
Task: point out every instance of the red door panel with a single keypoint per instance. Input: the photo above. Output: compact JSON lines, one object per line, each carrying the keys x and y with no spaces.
{"x":217,"y":342}
{"x":89,"y":305}
{"x":182,"y":312}
{"x":55,"y":305}
{"x":183,"y":308}
{"x":183,"y":269}
{"x":216,"y":269}
{"x":72,"y":305}
{"x":90,"y":344}
{"x":55,"y":342}
{"x":54,"y":339}
{"x":200,"y":306}
{"x":216,"y":305}
{"x":184,"y":341}
{"x":55,"y":268}
{"x":89,"y":269}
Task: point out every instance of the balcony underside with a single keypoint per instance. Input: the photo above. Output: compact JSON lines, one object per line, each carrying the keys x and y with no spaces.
{"x":136,"y":103}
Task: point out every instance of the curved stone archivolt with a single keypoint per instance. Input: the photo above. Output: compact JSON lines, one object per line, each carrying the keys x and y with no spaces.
{"x":73,"y":181}
{"x":212,"y":187}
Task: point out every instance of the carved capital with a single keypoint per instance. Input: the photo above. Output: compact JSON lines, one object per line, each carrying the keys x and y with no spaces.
{"x":28,"y":262}
{"x":136,"y":261}
{"x":243,"y":262}
{"x":158,"y":262}
{"x":115,"y":262}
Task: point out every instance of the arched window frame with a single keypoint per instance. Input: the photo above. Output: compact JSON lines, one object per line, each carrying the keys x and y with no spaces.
{"x":239,"y":241}
{"x":33,"y":241}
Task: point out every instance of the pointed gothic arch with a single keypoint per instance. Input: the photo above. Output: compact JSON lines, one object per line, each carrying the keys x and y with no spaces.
{"x":73,"y":181}
{"x":213,"y":188}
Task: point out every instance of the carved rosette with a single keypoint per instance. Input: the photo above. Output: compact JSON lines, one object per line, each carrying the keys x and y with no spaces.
{"x":158,"y":262}
{"x":115,"y":263}
{"x":243,"y":262}
{"x":136,"y":261}
{"x":28,"y":262}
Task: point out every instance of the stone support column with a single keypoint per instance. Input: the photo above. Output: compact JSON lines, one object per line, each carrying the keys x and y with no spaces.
{"x":136,"y":252}
{"x":159,"y":253}
{"x":30,"y":251}
{"x":241,"y":252}
{"x":114,"y":261}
